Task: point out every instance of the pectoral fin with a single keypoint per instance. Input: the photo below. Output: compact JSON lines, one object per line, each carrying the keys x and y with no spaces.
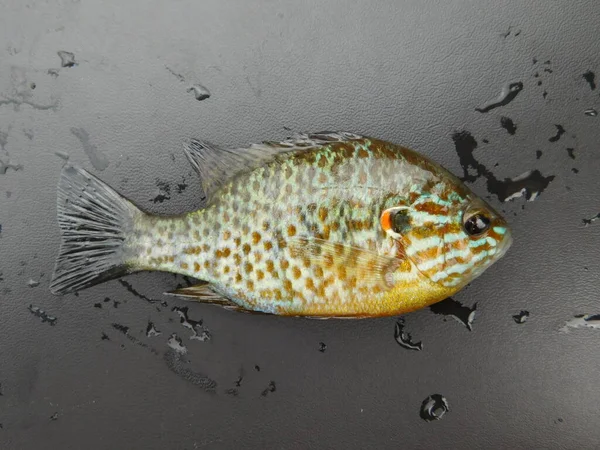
{"x":363,"y":267}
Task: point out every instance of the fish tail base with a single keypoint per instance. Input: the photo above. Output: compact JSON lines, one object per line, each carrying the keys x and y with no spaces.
{"x":95,"y":222}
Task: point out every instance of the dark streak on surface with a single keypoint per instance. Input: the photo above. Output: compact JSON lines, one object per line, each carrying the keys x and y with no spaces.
{"x":131,"y":289}
{"x":271,"y":388}
{"x":98,"y":159}
{"x":176,"y":363}
{"x":45,"y":317}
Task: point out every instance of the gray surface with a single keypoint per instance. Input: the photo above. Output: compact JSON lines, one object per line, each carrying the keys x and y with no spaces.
{"x":410,"y":72}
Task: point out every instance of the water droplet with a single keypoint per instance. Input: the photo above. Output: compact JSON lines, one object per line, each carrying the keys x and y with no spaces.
{"x":54,"y":416}
{"x":591,"y":112}
{"x":151,"y":330}
{"x":589,"y":221}
{"x":575,"y":170}
{"x":105,"y":337}
{"x":176,"y":344}
{"x":67,"y":59}
{"x":538,"y":154}
{"x":322,"y":347}
{"x":403,"y":338}
{"x":450,"y":307}
{"x":521,"y":317}
{"x":53,"y":72}
{"x":508,"y":125}
{"x":590,"y":77}
{"x":62,"y":155}
{"x":257,"y":368}
{"x":582,"y":321}
{"x":507,"y":94}
{"x":571,"y":152}
{"x":200,"y":92}
{"x":434,"y":407}
{"x":559,"y":132}
{"x":98,"y":305}
{"x":33,"y":283}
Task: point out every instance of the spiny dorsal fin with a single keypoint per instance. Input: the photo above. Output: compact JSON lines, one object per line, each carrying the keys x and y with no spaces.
{"x":217,"y":165}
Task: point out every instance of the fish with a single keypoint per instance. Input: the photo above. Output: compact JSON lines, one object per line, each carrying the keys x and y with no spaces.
{"x":319,"y":225}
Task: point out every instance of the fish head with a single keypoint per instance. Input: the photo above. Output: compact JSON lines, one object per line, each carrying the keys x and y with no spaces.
{"x":450,"y":239}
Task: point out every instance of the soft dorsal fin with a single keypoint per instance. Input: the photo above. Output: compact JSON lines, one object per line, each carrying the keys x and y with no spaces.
{"x":217,"y":165}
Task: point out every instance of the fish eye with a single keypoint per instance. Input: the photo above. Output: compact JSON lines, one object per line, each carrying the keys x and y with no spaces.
{"x":477,"y":224}
{"x":399,"y":220}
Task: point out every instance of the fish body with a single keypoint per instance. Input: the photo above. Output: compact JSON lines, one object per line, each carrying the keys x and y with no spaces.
{"x":321,"y":225}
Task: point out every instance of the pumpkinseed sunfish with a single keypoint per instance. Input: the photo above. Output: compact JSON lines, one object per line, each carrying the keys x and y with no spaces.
{"x":330,"y":224}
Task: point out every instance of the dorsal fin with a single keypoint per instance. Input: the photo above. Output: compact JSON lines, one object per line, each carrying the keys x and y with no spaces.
{"x":217,"y":165}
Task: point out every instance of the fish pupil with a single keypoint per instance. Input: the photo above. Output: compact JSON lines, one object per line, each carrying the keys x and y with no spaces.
{"x":399,"y":221}
{"x":477,"y":224}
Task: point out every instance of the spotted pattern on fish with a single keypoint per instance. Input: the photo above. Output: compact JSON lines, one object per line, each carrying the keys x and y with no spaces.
{"x":301,"y":235}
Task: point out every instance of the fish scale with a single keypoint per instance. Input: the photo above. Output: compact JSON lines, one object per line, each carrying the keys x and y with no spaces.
{"x":300,"y":231}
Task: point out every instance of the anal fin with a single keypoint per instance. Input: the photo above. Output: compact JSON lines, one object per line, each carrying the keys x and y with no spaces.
{"x":203,"y":293}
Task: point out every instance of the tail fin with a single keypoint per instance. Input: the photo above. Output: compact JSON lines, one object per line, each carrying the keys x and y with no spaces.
{"x":95,"y":221}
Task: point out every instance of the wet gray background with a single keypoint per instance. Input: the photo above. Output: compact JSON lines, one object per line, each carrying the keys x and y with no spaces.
{"x":410,"y":72}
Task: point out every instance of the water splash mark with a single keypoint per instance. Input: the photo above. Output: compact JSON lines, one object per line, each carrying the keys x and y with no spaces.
{"x":590,"y":77}
{"x":510,"y":31}
{"x":507,"y":94}
{"x":33,"y":283}
{"x":582,"y":321}
{"x":67,"y":59}
{"x":403,"y":338}
{"x":322,"y":347}
{"x":530,"y":183}
{"x":200,"y":92}
{"x":164,"y":191}
{"x":133,"y":291}
{"x":272,"y":387}
{"x":434,"y":407}
{"x":62,"y":155}
{"x":257,"y":368}
{"x":176,"y":362}
{"x":591,"y":112}
{"x":450,"y":307}
{"x":589,"y":221}
{"x":508,"y":125}
{"x":151,"y":330}
{"x":538,"y":154}
{"x":559,"y":132}
{"x":571,"y":153}
{"x":200,"y":332}
{"x":575,"y":170}
{"x":125,"y":330}
{"x":175,"y":74}
{"x":43,"y":315}
{"x":104,"y":337}
{"x":54,"y":416}
{"x":98,"y":305}
{"x":53,"y":72}
{"x":522,"y":317}
{"x":237,"y":383}
{"x":17,"y":102}
{"x":98,"y":159}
